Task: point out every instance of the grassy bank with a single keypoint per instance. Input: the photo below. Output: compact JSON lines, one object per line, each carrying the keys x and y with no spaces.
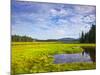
{"x":36,"y":57}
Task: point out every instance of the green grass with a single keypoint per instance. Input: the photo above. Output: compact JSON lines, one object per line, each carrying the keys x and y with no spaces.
{"x":36,"y":57}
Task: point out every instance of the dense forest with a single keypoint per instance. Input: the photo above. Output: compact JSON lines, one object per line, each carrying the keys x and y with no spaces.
{"x":89,"y":37}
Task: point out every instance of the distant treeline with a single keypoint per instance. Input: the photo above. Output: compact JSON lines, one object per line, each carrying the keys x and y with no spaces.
{"x":17,"y":38}
{"x":89,"y":37}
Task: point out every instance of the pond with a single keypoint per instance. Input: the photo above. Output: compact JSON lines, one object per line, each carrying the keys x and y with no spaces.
{"x":88,"y":55}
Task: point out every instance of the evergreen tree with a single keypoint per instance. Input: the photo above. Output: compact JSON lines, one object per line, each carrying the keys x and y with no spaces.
{"x":82,"y":38}
{"x":89,"y":37}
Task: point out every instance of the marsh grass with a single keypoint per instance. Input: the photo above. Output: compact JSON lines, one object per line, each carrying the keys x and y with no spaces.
{"x":37,"y":57}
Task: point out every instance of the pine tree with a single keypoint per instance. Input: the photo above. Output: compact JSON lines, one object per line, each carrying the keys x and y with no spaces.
{"x":82,"y":38}
{"x":89,"y":37}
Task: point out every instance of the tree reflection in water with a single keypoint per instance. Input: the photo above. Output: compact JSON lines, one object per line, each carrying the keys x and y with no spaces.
{"x":91,"y":51}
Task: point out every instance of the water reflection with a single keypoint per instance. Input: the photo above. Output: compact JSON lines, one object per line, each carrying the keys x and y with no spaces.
{"x":88,"y":55}
{"x":91,"y":51}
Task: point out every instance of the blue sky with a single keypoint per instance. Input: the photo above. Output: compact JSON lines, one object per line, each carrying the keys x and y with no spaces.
{"x":50,"y":20}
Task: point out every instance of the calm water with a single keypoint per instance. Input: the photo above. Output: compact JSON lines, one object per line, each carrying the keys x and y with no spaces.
{"x":88,"y":55}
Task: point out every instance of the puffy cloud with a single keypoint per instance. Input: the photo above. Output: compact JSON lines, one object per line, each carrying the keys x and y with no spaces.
{"x":82,"y":9}
{"x":76,"y":19}
{"x":60,"y":12}
{"x":47,"y":21}
{"x":89,"y":18}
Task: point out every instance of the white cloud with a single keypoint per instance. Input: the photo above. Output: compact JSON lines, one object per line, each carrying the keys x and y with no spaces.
{"x":70,"y":22}
{"x":76,"y":19}
{"x":62,"y":22}
{"x":83,"y":19}
{"x":53,"y":11}
{"x":61,"y":12}
{"x":84,"y":9}
{"x":89,"y":18}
